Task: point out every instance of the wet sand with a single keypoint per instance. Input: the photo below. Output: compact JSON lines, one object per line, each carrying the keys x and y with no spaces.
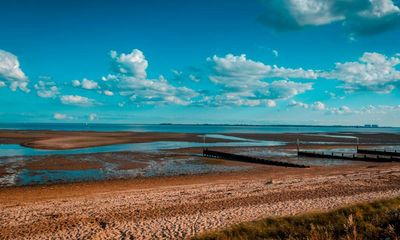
{"x":62,"y":140}
{"x":181,"y":206}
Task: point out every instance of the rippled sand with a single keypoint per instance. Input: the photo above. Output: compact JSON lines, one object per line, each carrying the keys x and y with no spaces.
{"x":179,"y":207}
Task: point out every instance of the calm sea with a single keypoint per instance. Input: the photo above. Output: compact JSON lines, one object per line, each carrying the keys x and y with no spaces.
{"x":187,"y":128}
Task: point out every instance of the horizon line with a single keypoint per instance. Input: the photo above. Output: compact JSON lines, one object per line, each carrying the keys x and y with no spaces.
{"x":208,"y":124}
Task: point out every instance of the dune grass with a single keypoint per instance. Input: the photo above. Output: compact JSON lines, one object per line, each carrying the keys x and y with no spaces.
{"x":376,"y":220}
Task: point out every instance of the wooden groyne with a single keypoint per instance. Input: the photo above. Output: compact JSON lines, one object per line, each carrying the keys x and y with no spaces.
{"x":241,"y":158}
{"x":351,"y":157}
{"x":382,"y":152}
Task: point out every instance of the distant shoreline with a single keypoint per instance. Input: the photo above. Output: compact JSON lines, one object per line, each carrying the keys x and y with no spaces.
{"x":196,"y":124}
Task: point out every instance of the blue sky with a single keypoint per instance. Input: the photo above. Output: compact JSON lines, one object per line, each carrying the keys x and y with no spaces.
{"x":253,"y":62}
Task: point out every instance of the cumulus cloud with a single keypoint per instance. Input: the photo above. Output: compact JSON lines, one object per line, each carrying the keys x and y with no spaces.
{"x":10,"y":72}
{"x":134,"y":63}
{"x":154,"y":91}
{"x":108,"y":93}
{"x":374,"y":72}
{"x":360,"y":17}
{"x":284,"y":89}
{"x":60,"y":116}
{"x":294,"y":103}
{"x":239,"y":72}
{"x":85,"y":84}
{"x":243,"y":81}
{"x":77,"y":100}
{"x":46,"y":89}
{"x":238,"y":81}
{"x":318,"y":106}
{"x":131,"y":81}
{"x":271,"y":103}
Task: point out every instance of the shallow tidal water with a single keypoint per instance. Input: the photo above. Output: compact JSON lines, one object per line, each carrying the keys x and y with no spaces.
{"x":14,"y":157}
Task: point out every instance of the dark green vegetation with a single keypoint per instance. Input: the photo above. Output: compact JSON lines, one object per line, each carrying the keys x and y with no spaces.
{"x":376,"y":220}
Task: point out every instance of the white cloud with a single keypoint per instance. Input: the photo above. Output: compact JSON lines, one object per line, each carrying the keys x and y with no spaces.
{"x":275,"y":53}
{"x":108,"y":93}
{"x":177,"y":73}
{"x":341,"y":110}
{"x":92,"y":116}
{"x":271,"y":103}
{"x":284,"y":89}
{"x":85,"y":84}
{"x":154,"y":91}
{"x":76,"y":83}
{"x":319,"y":106}
{"x":179,"y":76}
{"x":380,"y":8}
{"x":373,"y":71}
{"x":369,"y":109}
{"x":131,"y":81}
{"x":265,"y":96}
{"x":121,"y":104}
{"x":109,"y":78}
{"x":194,"y":78}
{"x":46,"y":89}
{"x":380,"y":109}
{"x":134,"y":63}
{"x":282,"y":72}
{"x":2,"y":84}
{"x":238,"y":72}
{"x":294,"y":103}
{"x":361,"y":17}
{"x":89,"y":84}
{"x":77,"y":100}
{"x":243,"y":81}
{"x":60,"y":116}
{"x":11,"y":73}
{"x":232,"y":99}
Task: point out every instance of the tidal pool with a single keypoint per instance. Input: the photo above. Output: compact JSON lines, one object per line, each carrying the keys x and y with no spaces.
{"x":18,"y":150}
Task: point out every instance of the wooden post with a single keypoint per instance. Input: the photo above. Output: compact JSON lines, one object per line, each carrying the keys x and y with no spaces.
{"x":358,"y":142}
{"x":298,"y":147}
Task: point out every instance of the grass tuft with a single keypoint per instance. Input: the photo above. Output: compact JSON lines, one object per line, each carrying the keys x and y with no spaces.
{"x":376,"y":220}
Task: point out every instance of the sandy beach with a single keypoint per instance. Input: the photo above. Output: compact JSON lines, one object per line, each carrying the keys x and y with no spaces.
{"x":179,"y":205}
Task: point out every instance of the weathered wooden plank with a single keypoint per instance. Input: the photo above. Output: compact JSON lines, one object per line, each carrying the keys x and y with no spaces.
{"x":379,"y":152}
{"x":242,"y":158}
{"x":352,"y":157}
